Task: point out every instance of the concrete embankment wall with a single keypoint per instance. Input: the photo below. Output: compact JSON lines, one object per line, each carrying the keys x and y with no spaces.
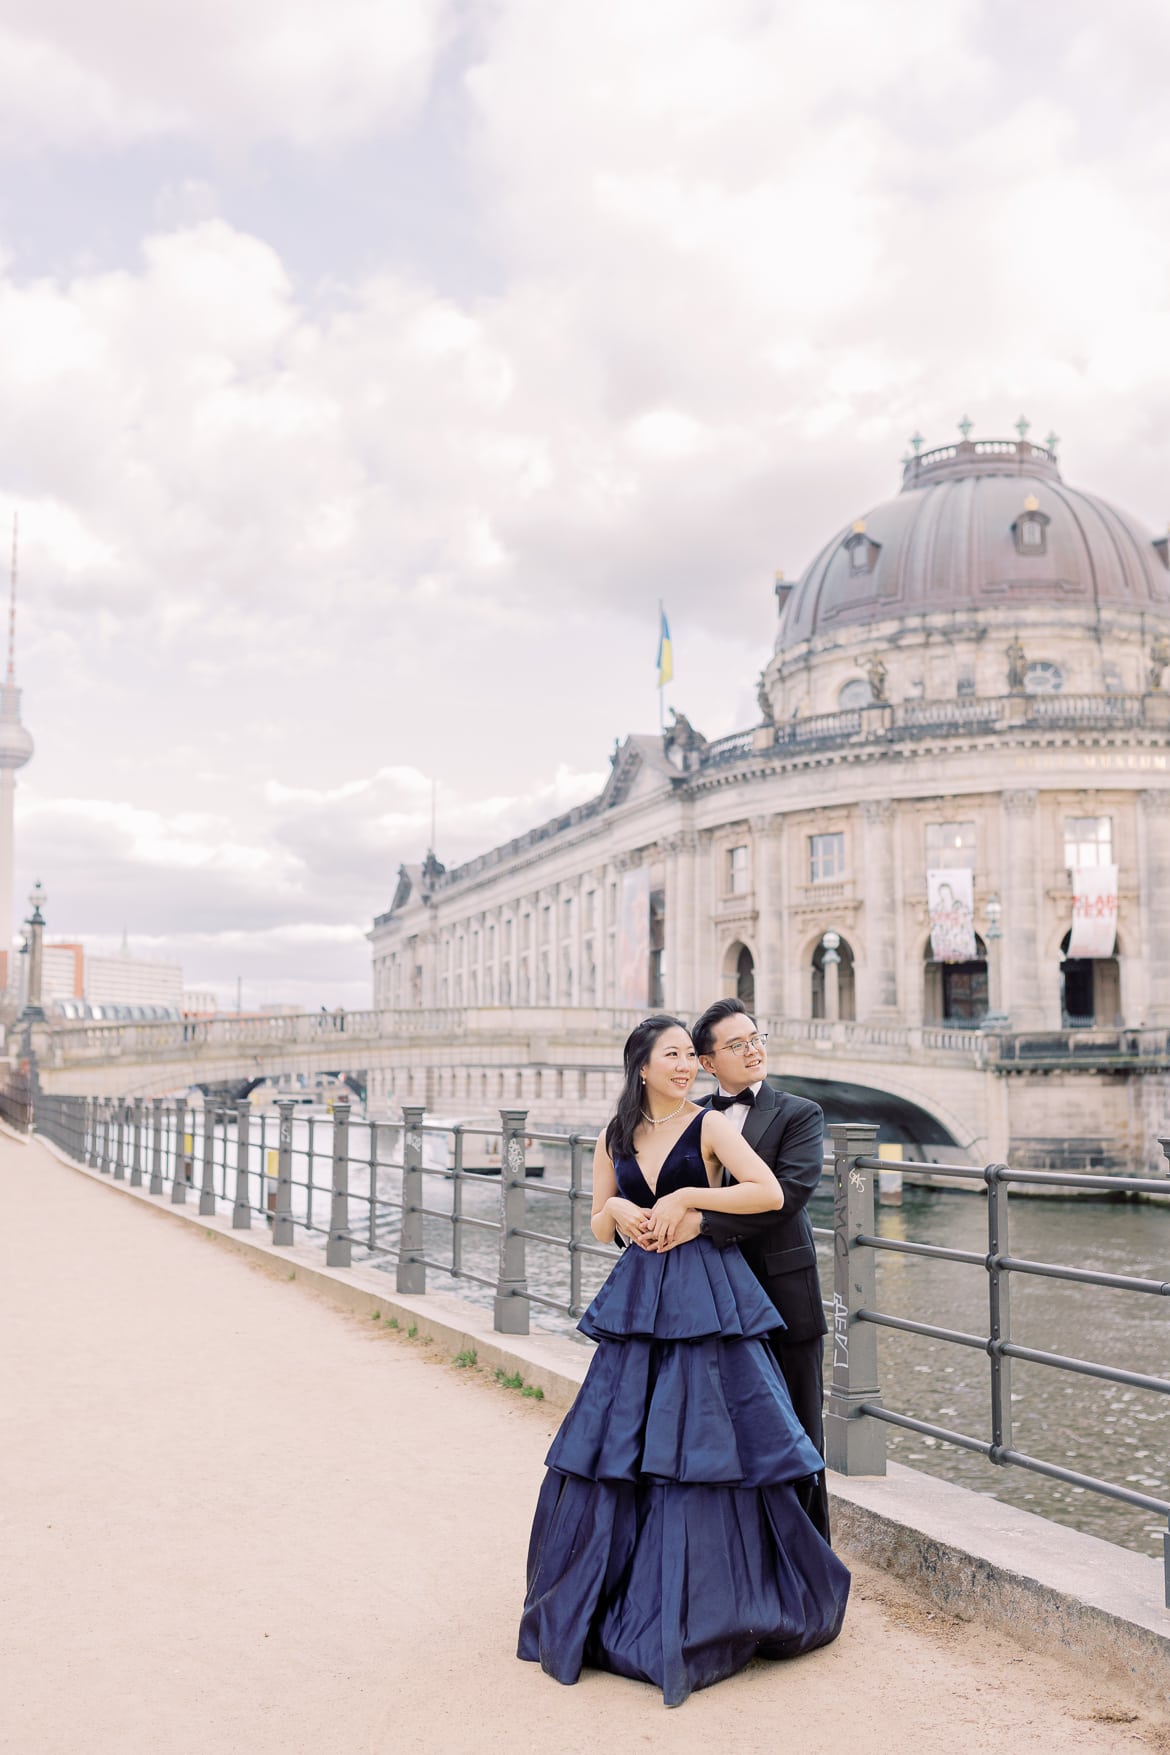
{"x":1055,"y":1590}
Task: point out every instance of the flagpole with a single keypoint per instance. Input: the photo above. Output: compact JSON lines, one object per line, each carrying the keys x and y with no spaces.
{"x":661,"y":702}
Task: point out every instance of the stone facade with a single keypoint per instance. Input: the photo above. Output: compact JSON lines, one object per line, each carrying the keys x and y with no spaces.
{"x":969,"y":675}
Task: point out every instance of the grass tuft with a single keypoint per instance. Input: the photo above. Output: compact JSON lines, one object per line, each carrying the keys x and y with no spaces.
{"x":513,"y":1380}
{"x":467,"y":1357}
{"x":412,"y":1331}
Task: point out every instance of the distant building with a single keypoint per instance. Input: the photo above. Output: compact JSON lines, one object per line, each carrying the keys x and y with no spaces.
{"x":123,"y":980}
{"x":71,"y":973}
{"x":63,"y":972}
{"x":198,"y":1003}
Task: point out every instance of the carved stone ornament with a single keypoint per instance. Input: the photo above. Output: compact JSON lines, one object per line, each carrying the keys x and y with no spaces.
{"x":877,"y":810}
{"x":1155,"y":803}
{"x":1017,"y":667}
{"x":1159,"y":662}
{"x":681,"y":735}
{"x":1023,"y":799}
{"x":877,"y":673}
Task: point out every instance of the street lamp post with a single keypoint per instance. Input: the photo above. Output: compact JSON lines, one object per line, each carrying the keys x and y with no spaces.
{"x":33,"y":1009}
{"x":995,"y":1018}
{"x":831,"y":965}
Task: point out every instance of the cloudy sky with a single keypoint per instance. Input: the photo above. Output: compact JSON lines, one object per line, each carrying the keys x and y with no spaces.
{"x":369,"y":371}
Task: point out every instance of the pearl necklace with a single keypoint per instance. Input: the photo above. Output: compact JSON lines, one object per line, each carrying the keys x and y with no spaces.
{"x":657,"y":1120}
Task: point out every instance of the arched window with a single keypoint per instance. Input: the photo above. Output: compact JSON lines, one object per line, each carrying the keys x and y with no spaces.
{"x":1090,"y":991}
{"x":956,"y":993}
{"x":855,"y":693}
{"x":739,"y":976}
{"x":832,"y":978}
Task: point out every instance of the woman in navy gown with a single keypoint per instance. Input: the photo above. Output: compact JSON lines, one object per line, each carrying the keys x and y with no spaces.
{"x":668,"y":1543}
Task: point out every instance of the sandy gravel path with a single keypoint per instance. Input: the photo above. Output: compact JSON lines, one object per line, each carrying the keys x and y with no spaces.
{"x":234,"y":1518}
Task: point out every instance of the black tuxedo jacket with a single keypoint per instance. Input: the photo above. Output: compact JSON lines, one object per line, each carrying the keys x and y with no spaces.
{"x":788,"y":1134}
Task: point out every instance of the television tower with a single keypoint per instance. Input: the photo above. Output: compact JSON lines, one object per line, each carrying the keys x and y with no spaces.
{"x":16,"y":746}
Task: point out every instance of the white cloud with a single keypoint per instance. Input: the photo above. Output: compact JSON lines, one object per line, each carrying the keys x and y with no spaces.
{"x":229,"y":70}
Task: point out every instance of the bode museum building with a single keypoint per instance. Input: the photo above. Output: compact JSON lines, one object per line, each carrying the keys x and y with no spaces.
{"x":937,"y":870}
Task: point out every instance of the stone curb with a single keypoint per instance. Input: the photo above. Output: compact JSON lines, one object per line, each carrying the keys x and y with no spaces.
{"x":1055,"y":1590}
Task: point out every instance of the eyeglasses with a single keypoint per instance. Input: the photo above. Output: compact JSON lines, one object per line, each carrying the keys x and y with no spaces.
{"x":740,"y":1047}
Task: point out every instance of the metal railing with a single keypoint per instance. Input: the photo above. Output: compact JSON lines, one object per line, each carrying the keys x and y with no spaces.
{"x":376,"y":1193}
{"x":855,"y":1416}
{"x":16,"y":1103}
{"x":526,"y":1237}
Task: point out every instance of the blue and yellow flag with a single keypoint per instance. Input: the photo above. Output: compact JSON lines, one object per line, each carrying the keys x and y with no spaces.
{"x":665,"y":656}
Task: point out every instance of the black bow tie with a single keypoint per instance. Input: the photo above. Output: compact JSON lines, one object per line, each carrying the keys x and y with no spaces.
{"x":747,"y":1095}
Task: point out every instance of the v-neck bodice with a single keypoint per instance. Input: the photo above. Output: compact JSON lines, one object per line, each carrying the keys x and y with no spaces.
{"x":682,"y":1167}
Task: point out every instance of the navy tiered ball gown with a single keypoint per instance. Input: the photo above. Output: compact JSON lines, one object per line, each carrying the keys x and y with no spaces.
{"x":668,"y":1543}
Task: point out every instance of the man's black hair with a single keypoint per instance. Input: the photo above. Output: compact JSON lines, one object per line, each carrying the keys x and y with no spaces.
{"x":704,"y":1028}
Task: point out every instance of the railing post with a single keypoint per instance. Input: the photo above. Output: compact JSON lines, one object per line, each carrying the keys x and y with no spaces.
{"x":105,"y":1149}
{"x":339,"y":1249}
{"x":241,"y":1211}
{"x":136,"y":1145}
{"x":854,"y":1443}
{"x":207,"y":1185}
{"x":457,"y":1199}
{"x":179,"y":1166}
{"x":282,"y":1224}
{"x":999,"y":1310}
{"x":156,"y":1175}
{"x":92,"y":1109}
{"x":412,"y":1269}
{"x":577,"y":1211}
{"x":511,"y":1302}
{"x":120,"y":1141}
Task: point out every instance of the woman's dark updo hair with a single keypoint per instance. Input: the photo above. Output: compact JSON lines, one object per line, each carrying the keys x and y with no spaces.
{"x":619,"y":1135}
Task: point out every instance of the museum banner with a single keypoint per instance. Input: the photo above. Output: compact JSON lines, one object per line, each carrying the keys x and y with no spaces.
{"x":1094,"y":921}
{"x":950,"y":898}
{"x":633,"y":970}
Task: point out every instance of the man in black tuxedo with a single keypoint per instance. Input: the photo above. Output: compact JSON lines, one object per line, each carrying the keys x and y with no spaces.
{"x":787,"y":1132}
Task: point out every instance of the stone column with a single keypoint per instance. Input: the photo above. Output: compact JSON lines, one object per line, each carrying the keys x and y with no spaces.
{"x":1154,"y":902}
{"x":1023,"y":993}
{"x":426,"y":952}
{"x":767,"y":868}
{"x":881,"y":930}
{"x":681,"y":988}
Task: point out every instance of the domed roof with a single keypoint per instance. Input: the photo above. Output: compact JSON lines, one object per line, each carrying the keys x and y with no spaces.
{"x":983,"y":525}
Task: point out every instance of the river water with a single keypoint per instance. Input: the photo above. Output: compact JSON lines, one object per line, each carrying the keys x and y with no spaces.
{"x":1108,"y":1430}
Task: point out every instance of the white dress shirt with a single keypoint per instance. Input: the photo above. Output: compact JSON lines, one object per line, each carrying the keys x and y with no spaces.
{"x":739,"y":1112}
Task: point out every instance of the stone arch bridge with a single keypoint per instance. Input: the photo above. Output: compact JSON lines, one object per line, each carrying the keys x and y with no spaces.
{"x":945,"y":1092}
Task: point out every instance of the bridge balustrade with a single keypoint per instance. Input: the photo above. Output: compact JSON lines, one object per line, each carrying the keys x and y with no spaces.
{"x":473,"y":1203}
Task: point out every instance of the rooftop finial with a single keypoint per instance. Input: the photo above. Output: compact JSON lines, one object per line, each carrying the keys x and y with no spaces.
{"x":965,"y":426}
{"x":1023,"y":426}
{"x":916,"y":441}
{"x":1052,"y":441}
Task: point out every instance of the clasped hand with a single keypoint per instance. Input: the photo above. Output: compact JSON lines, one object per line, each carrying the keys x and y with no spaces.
{"x":669,"y":1222}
